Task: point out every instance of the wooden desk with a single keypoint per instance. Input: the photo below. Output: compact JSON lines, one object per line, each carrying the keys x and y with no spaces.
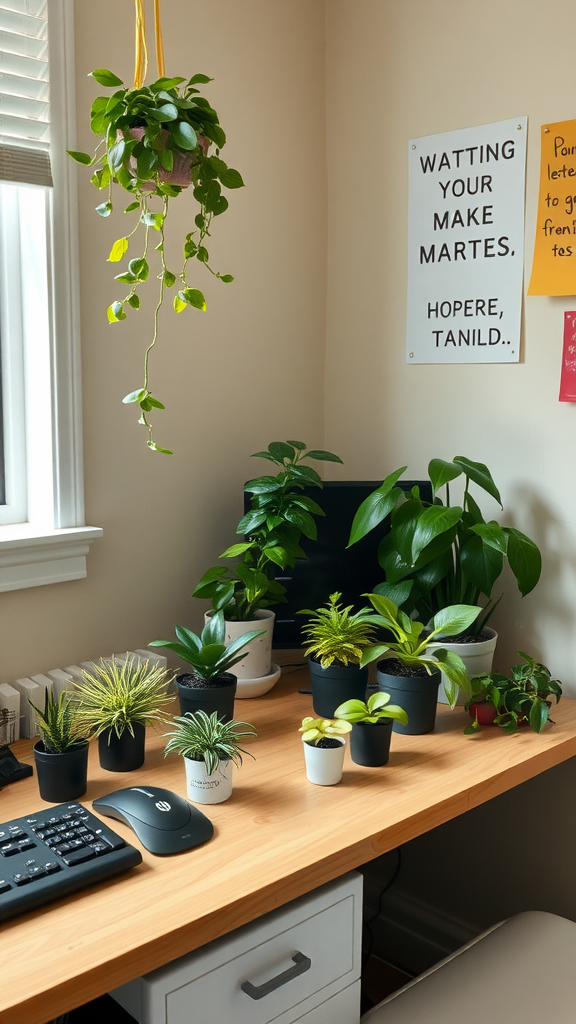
{"x":277,"y":838}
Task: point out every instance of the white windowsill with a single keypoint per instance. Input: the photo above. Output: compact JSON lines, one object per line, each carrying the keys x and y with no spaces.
{"x":31,"y":556}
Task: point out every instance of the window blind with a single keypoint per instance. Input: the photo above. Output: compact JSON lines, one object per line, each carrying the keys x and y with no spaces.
{"x":24,"y":92}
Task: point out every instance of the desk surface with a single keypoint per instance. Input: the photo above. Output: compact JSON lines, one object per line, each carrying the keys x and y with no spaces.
{"x":276,"y":839}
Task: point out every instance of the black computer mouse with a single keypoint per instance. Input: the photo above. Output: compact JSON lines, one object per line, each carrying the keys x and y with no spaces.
{"x":163,"y":821}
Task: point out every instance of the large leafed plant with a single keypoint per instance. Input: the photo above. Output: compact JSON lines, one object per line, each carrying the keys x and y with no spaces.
{"x":443,"y":553}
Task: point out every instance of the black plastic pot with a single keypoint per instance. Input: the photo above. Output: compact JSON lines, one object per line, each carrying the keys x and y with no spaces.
{"x":418,"y":695}
{"x":370,"y":742}
{"x":333,"y":685}
{"x":208,"y":698}
{"x":122,"y":753}
{"x":61,"y":777}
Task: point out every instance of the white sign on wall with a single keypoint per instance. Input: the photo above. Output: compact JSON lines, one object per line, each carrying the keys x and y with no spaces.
{"x":466,"y":244}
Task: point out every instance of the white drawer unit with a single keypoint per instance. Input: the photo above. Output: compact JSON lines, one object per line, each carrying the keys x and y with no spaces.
{"x":299,"y":963}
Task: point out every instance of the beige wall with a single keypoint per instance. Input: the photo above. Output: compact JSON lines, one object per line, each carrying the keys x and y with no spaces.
{"x":398,"y":69}
{"x":247,"y":372}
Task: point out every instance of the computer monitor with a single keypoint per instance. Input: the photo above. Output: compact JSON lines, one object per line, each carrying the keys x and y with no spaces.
{"x":331,"y":566}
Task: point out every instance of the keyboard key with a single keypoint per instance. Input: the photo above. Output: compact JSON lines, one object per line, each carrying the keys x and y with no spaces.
{"x":62,"y":849}
{"x":79,"y":856}
{"x":4,"y":885}
{"x":36,"y":872}
{"x":27,"y":845}
{"x":114,"y":842}
{"x":51,"y":867}
{"x":99,"y":847}
{"x":17,"y":833}
{"x":9,"y":850}
{"x":21,"y":879}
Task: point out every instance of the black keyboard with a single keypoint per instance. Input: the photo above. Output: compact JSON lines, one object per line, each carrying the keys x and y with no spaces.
{"x":55,"y":852}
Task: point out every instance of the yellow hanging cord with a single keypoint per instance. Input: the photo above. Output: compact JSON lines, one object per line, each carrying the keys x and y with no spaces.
{"x":141,"y":56}
{"x":159,"y":44}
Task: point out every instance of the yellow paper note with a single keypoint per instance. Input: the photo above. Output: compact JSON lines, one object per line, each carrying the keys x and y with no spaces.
{"x":554,"y":266}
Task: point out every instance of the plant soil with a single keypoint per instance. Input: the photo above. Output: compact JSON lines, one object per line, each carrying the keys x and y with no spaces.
{"x":394,"y":667}
{"x":326,"y":743}
{"x":197,"y":682}
{"x":465,"y":638}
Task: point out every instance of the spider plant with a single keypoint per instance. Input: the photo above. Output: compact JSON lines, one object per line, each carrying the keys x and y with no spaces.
{"x":117,"y":695}
{"x":60,"y":724}
{"x":207,"y":738}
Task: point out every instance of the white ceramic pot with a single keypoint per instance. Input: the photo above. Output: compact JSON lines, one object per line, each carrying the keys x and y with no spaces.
{"x":202,"y":788}
{"x":256,"y":663}
{"x":477,"y":659}
{"x":324,"y":764}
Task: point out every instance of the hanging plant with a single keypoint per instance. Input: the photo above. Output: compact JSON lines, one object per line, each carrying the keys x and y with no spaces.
{"x":155,"y":142}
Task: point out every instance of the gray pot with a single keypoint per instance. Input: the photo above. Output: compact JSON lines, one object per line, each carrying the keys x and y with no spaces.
{"x":418,"y":695}
{"x":333,"y":685}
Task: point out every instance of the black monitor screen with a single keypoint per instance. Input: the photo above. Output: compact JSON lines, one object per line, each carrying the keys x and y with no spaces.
{"x":331,"y":566}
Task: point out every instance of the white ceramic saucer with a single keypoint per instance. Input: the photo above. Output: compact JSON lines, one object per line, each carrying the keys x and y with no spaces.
{"x":256,"y":687}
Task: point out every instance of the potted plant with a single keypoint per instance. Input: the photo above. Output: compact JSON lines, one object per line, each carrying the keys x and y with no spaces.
{"x":61,"y":753}
{"x":154,"y":142}
{"x":210,"y":687}
{"x":279,"y":514}
{"x":412,"y":673}
{"x":522,"y":698}
{"x":116,"y":701}
{"x":324,"y":742}
{"x":442,"y":553}
{"x":210,"y":747}
{"x":371,"y":727}
{"x":336,"y":638}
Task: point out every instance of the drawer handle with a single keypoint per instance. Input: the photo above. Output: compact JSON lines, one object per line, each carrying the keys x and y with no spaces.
{"x":301,"y":965}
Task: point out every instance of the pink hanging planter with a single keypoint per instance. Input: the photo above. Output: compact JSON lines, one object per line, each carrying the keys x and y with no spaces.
{"x":184,"y":160}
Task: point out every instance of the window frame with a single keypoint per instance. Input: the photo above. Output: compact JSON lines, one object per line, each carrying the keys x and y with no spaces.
{"x":52,"y":546}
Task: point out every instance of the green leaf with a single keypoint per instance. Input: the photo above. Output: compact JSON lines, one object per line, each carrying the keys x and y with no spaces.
{"x":179,"y":305}
{"x":479,"y":474}
{"x":473,"y":729}
{"x":434,"y":521}
{"x":135,"y":396}
{"x":105,"y":209}
{"x":236,"y":549}
{"x":153,"y":220}
{"x":105,"y":77}
{"x":323,"y":456}
{"x":116,"y":312}
{"x":169,"y":278}
{"x":376,"y":507}
{"x":280,"y":451}
{"x":167,"y":159}
{"x":202,"y":254}
{"x":231,"y":178}
{"x":134,"y":301}
{"x":538,"y":715}
{"x":184,"y":135}
{"x":524,"y":559}
{"x":118,"y":250}
{"x":454,"y":619}
{"x":493,"y":535}
{"x":156,"y":448}
{"x":126,"y":277}
{"x":81,"y":158}
{"x":441,"y":472}
{"x":226,"y":278}
{"x":481,"y":564}
{"x":139,"y":267}
{"x":199,"y":80}
{"x":219,"y":205}
{"x":169,"y":111}
{"x":398,"y":593}
{"x":193,"y":297}
{"x":116,"y":155}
